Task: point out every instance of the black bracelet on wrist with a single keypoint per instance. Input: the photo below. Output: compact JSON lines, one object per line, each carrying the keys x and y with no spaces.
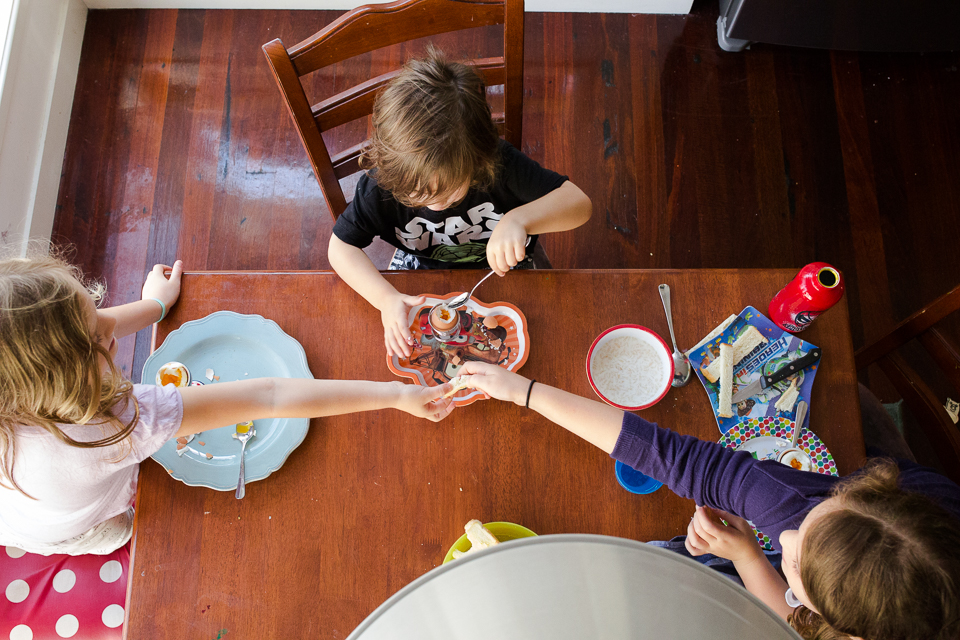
{"x":529,"y":389}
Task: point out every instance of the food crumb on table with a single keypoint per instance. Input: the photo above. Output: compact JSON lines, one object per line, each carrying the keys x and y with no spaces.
{"x":209,"y":456}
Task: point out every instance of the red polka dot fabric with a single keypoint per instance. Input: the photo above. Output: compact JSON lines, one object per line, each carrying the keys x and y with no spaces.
{"x":54,"y":597}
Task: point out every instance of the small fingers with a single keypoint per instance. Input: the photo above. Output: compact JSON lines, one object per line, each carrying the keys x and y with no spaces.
{"x":510,"y":256}
{"x":710,"y":522}
{"x":520,"y":252}
{"x":694,"y":543}
{"x":392,"y":343}
{"x":474,"y":368}
{"x":403,"y":338}
{"x":495,"y":263}
{"x":733,"y":521}
{"x":436,"y":393}
{"x":177,"y":270}
{"x":388,"y":345}
{"x":701,"y":532}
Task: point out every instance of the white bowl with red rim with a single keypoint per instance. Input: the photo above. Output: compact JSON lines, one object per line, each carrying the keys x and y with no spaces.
{"x":652,"y":382}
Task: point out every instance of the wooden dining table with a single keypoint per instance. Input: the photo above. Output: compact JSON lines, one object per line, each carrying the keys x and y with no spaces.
{"x":369,"y":502}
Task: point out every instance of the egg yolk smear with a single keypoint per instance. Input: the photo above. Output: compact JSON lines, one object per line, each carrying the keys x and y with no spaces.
{"x":171,"y":376}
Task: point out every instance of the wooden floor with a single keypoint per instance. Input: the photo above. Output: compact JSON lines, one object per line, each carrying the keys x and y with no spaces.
{"x":179,"y":146}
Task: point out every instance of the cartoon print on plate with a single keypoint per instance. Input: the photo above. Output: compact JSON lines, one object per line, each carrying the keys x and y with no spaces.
{"x":495,"y":333}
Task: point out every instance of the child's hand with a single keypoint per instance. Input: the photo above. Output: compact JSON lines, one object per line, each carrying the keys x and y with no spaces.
{"x":425,"y":402}
{"x":707,"y":534}
{"x":496,"y":382}
{"x":158,"y":286}
{"x":507,"y":245}
{"x":396,"y":332}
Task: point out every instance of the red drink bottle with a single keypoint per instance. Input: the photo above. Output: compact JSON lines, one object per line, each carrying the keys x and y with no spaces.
{"x":816,"y":288}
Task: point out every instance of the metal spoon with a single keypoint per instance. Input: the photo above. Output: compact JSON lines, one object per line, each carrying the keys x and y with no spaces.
{"x":242,"y":437}
{"x":461,"y":299}
{"x":681,"y":367}
{"x":798,"y":427}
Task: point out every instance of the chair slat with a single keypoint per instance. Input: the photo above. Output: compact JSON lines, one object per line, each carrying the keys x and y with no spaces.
{"x":375,"y":26}
{"x":513,"y":83}
{"x":945,"y":354}
{"x":347,"y":162}
{"x":296,"y":102}
{"x":929,"y":412}
{"x":909,"y":328}
{"x":357,"y":102}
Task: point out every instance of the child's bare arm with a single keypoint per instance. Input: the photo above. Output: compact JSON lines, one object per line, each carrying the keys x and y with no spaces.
{"x":353,"y":265}
{"x":734,"y":541}
{"x":562,"y":209}
{"x":217,"y":405}
{"x":137,"y":315}
{"x":597,"y":423}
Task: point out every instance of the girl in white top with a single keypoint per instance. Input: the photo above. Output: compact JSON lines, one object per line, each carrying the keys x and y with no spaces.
{"x":73,"y":430}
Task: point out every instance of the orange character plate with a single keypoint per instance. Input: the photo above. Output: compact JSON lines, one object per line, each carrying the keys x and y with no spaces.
{"x":494,"y":333}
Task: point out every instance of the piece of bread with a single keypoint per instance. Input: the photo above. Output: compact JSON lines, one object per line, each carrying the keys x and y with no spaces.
{"x":479,"y":537}
{"x":460,"y":382}
{"x":741,"y":347}
{"x":720,"y":328}
{"x":725,"y":405}
{"x":789,"y":397}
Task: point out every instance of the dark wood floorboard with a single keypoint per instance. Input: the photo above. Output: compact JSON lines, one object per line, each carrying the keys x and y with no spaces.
{"x":179,"y":146}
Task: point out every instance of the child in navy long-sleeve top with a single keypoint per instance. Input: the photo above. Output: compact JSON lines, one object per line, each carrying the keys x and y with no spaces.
{"x":873,"y":555}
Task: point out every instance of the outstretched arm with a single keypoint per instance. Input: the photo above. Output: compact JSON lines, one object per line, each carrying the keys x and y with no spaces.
{"x":356,"y":269}
{"x":232,"y":402}
{"x":597,"y":423}
{"x":137,"y":315}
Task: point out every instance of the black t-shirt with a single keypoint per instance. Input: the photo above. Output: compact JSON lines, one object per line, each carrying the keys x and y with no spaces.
{"x":455,"y":237}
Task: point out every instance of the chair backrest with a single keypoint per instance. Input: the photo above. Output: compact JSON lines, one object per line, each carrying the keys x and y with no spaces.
{"x":926,"y":406}
{"x":372,"y":27}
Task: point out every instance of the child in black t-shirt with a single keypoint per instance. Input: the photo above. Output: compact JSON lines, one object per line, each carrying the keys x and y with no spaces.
{"x":445,"y":190}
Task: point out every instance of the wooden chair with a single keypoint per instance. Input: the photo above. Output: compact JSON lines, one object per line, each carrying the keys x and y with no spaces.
{"x":372,"y":27}
{"x":923,"y":402}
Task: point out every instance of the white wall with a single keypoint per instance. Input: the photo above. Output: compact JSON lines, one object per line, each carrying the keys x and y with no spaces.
{"x":41,"y":58}
{"x":582,"y":6}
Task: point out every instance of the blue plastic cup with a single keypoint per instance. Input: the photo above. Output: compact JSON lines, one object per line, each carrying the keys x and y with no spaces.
{"x":634,"y":481}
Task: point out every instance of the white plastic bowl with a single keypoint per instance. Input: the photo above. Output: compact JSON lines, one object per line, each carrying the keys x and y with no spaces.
{"x":649,"y":338}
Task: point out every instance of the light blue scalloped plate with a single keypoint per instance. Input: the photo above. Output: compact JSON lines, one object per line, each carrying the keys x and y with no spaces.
{"x":236,"y":347}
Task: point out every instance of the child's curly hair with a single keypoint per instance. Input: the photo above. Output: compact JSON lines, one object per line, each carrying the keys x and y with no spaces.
{"x":883,"y":565}
{"x":432,"y":132}
{"x":52,"y":364}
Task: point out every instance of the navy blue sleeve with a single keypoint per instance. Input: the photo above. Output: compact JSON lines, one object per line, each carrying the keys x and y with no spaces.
{"x":525,"y":178}
{"x":361,"y":221}
{"x":773,"y":496}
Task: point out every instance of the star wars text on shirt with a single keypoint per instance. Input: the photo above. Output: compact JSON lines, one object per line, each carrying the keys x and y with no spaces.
{"x":421,"y":234}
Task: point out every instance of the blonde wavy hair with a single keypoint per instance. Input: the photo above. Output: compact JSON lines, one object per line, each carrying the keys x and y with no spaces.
{"x":53,"y":367}
{"x":432,"y":132}
{"x":884,"y":565}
